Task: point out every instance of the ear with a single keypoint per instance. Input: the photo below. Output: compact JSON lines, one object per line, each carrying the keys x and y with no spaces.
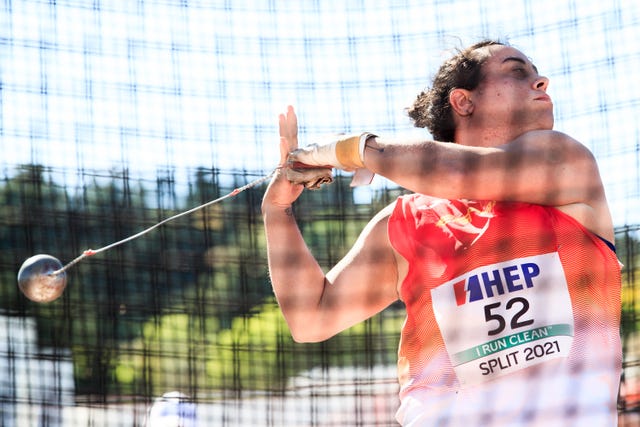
{"x":460,"y":100}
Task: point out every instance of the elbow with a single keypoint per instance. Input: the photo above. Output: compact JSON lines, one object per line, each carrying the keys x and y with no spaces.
{"x":304,"y":335}
{"x":303,"y":338}
{"x":299,"y":335}
{"x":309,"y":331}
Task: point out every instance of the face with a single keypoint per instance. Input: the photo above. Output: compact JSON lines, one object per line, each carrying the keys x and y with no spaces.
{"x":511,"y":97}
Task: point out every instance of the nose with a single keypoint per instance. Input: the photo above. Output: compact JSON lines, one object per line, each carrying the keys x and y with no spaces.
{"x":541,"y":83}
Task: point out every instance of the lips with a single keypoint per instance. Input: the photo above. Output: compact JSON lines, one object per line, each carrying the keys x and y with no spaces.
{"x":545,"y":98}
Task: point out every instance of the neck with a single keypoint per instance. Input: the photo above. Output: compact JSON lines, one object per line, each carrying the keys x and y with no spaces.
{"x":485,"y":137}
{"x":491,"y":134}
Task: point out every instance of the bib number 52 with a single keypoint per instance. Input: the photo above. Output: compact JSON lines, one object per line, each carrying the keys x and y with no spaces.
{"x":516,"y":308}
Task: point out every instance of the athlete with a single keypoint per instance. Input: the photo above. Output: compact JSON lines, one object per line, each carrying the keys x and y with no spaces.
{"x":503,"y":257}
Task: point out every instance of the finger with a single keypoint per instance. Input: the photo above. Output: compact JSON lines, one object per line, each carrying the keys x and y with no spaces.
{"x":284,"y":150}
{"x":282,"y":127}
{"x":288,"y":127}
{"x":293,"y":123}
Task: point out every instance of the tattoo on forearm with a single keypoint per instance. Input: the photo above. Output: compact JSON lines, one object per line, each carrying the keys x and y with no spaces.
{"x":289,"y":211}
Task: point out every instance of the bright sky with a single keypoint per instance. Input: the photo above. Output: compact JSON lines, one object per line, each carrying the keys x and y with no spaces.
{"x":156,"y":86}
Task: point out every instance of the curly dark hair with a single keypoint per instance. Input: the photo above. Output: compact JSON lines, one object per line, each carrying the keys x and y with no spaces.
{"x":432,"y":109}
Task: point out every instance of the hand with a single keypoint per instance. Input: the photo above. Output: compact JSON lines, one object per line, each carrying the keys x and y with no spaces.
{"x":282,"y":192}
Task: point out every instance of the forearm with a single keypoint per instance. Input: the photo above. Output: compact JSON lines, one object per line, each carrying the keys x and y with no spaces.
{"x":297,"y":278}
{"x":422,"y":166}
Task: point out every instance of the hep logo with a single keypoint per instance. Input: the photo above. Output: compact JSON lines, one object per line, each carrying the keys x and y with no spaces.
{"x":494,"y":282}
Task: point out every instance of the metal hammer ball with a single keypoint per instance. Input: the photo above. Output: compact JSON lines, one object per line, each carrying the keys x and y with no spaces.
{"x":37,"y":281}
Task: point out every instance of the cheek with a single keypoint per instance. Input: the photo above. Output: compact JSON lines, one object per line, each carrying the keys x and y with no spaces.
{"x":507,"y":99}
{"x":498,"y":96}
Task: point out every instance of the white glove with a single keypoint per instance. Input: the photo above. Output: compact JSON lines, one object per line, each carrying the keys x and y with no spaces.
{"x":346,"y":153}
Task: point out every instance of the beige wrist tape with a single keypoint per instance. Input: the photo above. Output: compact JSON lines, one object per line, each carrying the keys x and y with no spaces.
{"x":349,"y":150}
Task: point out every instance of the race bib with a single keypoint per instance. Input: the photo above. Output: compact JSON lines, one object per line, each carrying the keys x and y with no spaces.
{"x":505,"y":317}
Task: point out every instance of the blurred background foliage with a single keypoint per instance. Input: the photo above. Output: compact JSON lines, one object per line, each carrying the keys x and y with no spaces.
{"x":188,"y":306}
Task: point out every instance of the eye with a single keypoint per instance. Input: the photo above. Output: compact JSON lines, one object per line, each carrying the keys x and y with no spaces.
{"x":520,"y":71}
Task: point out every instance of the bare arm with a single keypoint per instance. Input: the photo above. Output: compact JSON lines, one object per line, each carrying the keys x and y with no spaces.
{"x":542,"y":167}
{"x":316,"y":306}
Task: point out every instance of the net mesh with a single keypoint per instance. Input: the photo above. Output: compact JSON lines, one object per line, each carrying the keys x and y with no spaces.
{"x":118,"y":114}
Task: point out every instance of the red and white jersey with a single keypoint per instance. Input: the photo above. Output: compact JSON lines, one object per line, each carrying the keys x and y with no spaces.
{"x":513,"y":314}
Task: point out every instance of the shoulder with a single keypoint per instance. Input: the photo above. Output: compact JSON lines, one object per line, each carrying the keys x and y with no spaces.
{"x":545,"y":135}
{"x":587,"y":203}
{"x":389,"y":221}
{"x":375,"y":232}
{"x":555,"y":146}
